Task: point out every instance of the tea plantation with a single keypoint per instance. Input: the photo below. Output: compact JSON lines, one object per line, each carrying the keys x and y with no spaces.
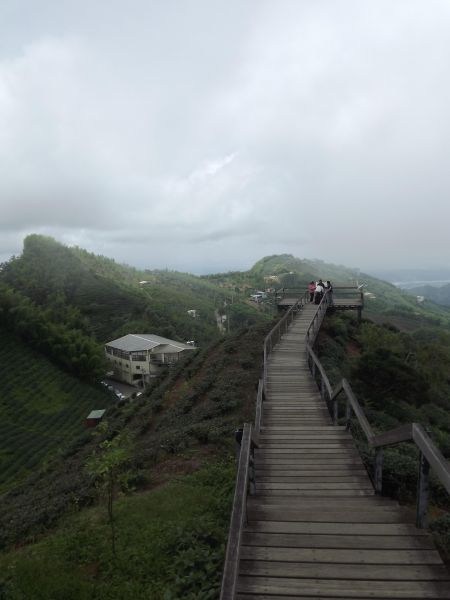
{"x":41,"y":409}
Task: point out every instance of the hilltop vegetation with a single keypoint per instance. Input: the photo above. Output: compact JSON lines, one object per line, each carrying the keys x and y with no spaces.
{"x":103,"y":299}
{"x":175,"y":490}
{"x":66,"y":302}
{"x":398,"y":377}
{"x":170,"y":540}
{"x":41,"y":409}
{"x":440,"y":295}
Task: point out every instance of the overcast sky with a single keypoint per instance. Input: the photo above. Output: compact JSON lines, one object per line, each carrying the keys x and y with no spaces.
{"x":202,"y":135}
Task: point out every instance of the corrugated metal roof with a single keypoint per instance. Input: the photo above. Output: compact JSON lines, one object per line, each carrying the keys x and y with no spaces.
{"x":168,"y":348}
{"x":96,"y":414}
{"x":134,"y":342}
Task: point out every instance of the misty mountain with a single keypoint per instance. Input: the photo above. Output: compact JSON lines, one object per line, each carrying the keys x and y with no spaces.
{"x":410,"y":275}
{"x":440,"y":295}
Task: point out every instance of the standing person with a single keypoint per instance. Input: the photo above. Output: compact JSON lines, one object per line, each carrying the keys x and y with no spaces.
{"x":318,"y":293}
{"x":311,"y":290}
{"x":329,"y":288}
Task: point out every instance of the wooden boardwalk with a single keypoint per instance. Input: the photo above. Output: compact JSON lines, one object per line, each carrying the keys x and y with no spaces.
{"x":315,"y":528}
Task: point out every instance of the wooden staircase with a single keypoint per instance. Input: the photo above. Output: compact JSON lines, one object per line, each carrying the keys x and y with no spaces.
{"x":315,"y":528}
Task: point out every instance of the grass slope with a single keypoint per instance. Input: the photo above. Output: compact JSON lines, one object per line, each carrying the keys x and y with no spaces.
{"x":196,"y":407}
{"x":170,"y":545}
{"x":41,"y":409}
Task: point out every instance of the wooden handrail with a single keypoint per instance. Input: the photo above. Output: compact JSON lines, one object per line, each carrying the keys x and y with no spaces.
{"x":430,"y":455}
{"x":276,"y":332}
{"x":258,"y":413}
{"x":313,"y":329}
{"x":238,"y":517}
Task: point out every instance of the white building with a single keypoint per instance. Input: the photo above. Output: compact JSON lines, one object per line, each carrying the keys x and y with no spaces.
{"x":137,"y":357}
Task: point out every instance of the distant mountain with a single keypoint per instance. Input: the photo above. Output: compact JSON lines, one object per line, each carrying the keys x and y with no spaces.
{"x":400,"y":276}
{"x":440,"y":295}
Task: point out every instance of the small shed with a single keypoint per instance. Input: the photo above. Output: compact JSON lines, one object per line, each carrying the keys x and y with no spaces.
{"x":94,"y":418}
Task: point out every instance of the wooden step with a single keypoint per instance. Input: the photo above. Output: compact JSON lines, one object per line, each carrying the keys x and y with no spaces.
{"x":338,"y":588}
{"x":315,"y":527}
{"x":356,"y":557}
{"x":363,"y":542}
{"x":349,"y":572}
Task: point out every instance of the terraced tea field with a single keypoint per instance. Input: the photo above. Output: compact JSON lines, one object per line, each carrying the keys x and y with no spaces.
{"x":41,"y":409}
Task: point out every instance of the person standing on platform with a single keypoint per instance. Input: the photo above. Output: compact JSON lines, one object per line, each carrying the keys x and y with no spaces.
{"x":318,"y":294}
{"x":311,"y":290}
{"x":329,"y":288}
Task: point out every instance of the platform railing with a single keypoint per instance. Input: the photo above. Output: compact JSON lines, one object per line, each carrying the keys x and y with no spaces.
{"x":244,"y":480}
{"x":430,"y":457}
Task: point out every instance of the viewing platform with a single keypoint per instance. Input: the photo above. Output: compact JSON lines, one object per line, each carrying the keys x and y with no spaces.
{"x":344,"y":298}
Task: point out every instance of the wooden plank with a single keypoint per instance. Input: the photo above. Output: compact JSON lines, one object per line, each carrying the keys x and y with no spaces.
{"x":368,"y":542}
{"x":321,"y":493}
{"x":339,"y":588}
{"x":314,"y":485}
{"x":316,"y":461}
{"x":313,"y":555}
{"x":313,"y":438}
{"x":308,"y":477}
{"x":305,"y":435}
{"x":363,"y":502}
{"x":346,"y":445}
{"x":333,"y":571}
{"x":330,"y":450}
{"x":292,"y":408}
{"x":318,"y":429}
{"x":276,"y":513}
{"x":334,"y":528}
{"x":277,"y":473}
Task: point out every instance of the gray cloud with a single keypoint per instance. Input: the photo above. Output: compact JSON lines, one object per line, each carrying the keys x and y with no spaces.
{"x":202,"y":136}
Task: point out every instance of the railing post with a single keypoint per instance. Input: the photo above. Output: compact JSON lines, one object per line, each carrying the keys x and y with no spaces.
{"x":348,"y":413}
{"x":378,"y":470}
{"x":251,"y":474}
{"x":335,"y":410}
{"x":422,"y":492}
{"x":238,"y":439}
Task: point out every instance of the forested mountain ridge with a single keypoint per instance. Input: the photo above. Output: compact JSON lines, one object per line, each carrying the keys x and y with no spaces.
{"x":67,"y":302}
{"x":102,"y":298}
{"x":61,"y":304}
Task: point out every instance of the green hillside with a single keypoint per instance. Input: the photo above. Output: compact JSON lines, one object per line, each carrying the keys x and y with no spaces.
{"x":171,"y":526}
{"x":440,"y":295}
{"x":103,"y":299}
{"x":174,"y":489}
{"x":41,"y":409}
